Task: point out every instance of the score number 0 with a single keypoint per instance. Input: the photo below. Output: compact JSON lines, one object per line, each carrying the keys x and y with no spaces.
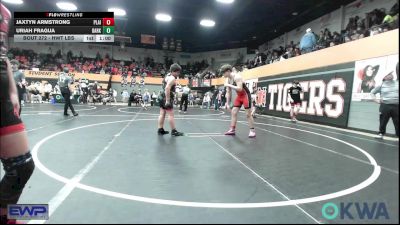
{"x":108,"y":21}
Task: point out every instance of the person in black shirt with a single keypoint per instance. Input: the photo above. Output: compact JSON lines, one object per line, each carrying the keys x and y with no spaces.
{"x":65,"y":81}
{"x":132,"y":98}
{"x":223,"y":97}
{"x":295,"y":100}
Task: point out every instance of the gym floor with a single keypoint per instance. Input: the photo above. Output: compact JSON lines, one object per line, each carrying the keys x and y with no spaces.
{"x":109,"y":166}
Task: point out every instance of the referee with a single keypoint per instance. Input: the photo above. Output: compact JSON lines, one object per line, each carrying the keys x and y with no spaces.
{"x":65,"y":81}
{"x":184,"y":99}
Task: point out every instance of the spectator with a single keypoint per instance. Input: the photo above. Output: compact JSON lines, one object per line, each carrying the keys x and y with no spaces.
{"x":57,"y":89}
{"x":132,"y":98}
{"x":125,"y":96}
{"x":153,"y":98}
{"x":114,"y":95}
{"x":327,"y":38}
{"x":352,"y":25}
{"x":206,"y":101}
{"x":297,"y":52}
{"x":391,"y":19}
{"x":47,"y":90}
{"x":138,"y":97}
{"x":191,"y":99}
{"x":214,"y":98}
{"x":395,"y":9}
{"x":258,"y":61}
{"x":308,"y":42}
{"x":217,"y":103}
{"x":146,"y":99}
{"x":223,"y":98}
{"x":35,"y":95}
{"x":336,"y":39}
{"x":275,"y":56}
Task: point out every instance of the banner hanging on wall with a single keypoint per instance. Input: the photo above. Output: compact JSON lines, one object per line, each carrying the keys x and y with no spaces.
{"x":325,"y":98}
{"x":54,"y":75}
{"x":369,"y":73}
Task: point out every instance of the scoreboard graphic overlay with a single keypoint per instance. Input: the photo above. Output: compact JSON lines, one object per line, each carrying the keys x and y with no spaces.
{"x":63,"y":27}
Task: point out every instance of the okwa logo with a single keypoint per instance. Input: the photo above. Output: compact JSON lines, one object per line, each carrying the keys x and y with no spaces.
{"x":355,"y":210}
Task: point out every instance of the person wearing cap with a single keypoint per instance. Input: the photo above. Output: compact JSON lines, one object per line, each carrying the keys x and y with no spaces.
{"x":166,"y":99}
{"x":294,"y":99}
{"x":389,"y":103}
{"x":308,"y":42}
{"x":65,"y":81}
{"x":20,"y":81}
{"x":234,"y":81}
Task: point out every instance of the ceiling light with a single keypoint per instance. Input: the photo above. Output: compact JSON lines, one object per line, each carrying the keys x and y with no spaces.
{"x":117,"y":11}
{"x":207,"y":23}
{"x":68,"y":6}
{"x":295,"y":13}
{"x":226,"y":1}
{"x":16,"y":2}
{"x":163,"y":17}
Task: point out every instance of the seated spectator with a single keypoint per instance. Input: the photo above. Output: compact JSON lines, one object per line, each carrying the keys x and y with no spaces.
{"x":275,"y":57}
{"x":35,"y":95}
{"x":308,"y":42}
{"x":375,"y":17}
{"x":320,"y":39}
{"x":132,"y":98}
{"x":56,"y":89}
{"x":335,"y":39}
{"x":125,"y":96}
{"x":106,"y":98}
{"x":283,"y":57}
{"x":352,"y":25}
{"x":385,"y":27}
{"x":361,"y":32}
{"x":206,"y":101}
{"x":327,"y":38}
{"x":388,"y":19}
{"x":392,"y":18}
{"x":354,"y":35}
{"x":297,"y":52}
{"x":47,"y":90}
{"x":258,"y":60}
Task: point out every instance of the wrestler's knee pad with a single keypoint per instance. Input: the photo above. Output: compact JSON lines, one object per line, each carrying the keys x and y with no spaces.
{"x":18,"y":170}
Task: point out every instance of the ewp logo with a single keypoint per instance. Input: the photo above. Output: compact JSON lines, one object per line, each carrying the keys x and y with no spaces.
{"x":376,"y":210}
{"x":28,"y":212}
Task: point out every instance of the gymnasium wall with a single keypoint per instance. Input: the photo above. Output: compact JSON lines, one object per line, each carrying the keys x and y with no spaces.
{"x":331,"y":81}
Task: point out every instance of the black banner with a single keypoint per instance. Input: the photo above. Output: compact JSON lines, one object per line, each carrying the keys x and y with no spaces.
{"x":59,"y":30}
{"x":58,"y":22}
{"x":18,"y":15}
{"x":325,"y":99}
